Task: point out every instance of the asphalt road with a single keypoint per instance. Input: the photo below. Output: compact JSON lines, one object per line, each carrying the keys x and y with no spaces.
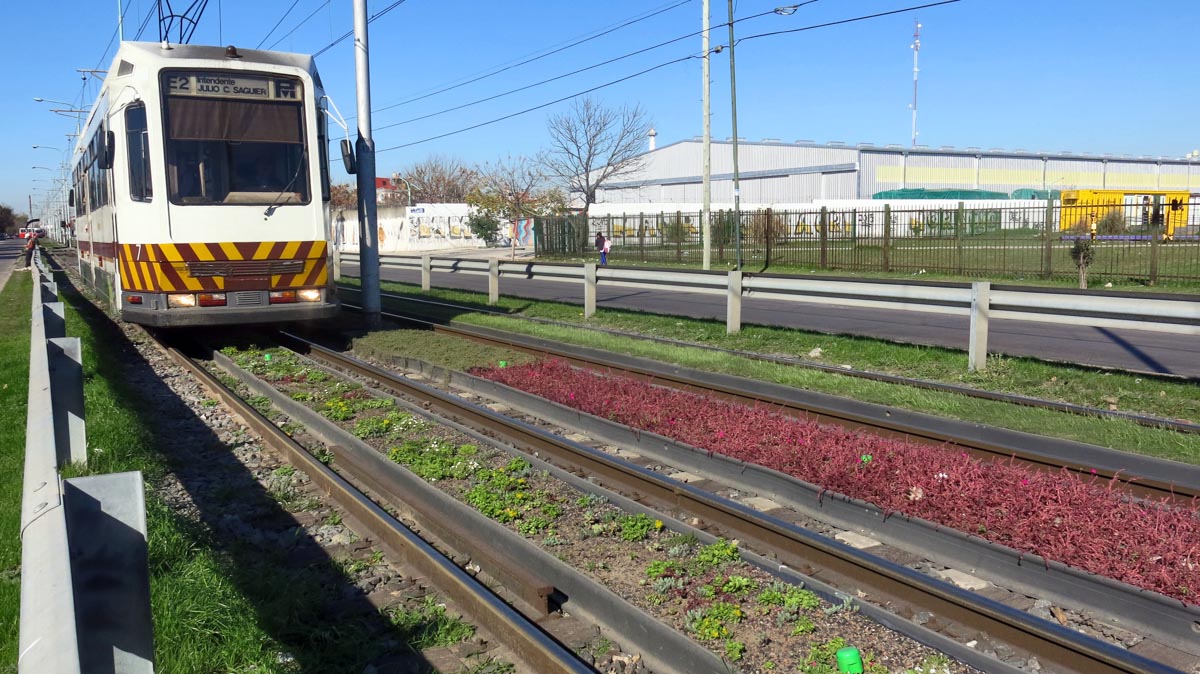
{"x":1133,"y":350}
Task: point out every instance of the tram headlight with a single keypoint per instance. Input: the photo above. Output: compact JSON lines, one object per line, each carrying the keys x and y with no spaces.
{"x":283,"y":296}
{"x":181,"y":301}
{"x":310,"y":295}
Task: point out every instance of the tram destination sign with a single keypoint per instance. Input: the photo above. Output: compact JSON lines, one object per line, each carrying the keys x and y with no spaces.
{"x":232,"y":85}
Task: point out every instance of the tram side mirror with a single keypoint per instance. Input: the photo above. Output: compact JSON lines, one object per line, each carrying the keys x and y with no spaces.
{"x":71,"y":198}
{"x":348,"y":157}
{"x":106,"y":152}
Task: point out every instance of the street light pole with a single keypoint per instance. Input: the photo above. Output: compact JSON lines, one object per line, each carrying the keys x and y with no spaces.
{"x":737,"y":192}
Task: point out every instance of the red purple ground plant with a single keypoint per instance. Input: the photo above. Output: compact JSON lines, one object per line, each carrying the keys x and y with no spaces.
{"x":1086,"y":523}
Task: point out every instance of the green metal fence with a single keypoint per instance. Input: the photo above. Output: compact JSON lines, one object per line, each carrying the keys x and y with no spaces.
{"x":1131,"y":241}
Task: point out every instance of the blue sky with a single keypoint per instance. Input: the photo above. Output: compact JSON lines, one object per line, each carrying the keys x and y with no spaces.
{"x":1079,"y":75}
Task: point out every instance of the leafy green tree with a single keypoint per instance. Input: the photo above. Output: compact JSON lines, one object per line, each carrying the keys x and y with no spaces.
{"x":10,"y":220}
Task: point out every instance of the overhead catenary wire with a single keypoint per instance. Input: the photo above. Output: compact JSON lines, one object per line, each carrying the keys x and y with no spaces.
{"x":535,"y":58}
{"x":663,"y":65}
{"x":288,"y":34}
{"x":277,"y":23}
{"x":565,"y":75}
{"x":348,"y":33}
{"x":543,"y":105}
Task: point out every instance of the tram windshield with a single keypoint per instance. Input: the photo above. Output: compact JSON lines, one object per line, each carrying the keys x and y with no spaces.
{"x":235,"y":140}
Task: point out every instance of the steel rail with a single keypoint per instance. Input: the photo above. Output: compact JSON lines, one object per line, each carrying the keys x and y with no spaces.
{"x":538,"y":650}
{"x":1140,"y":476}
{"x":1011,"y":398}
{"x":888,"y":584}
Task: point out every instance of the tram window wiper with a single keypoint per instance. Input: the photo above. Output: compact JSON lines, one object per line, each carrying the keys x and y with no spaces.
{"x":288,"y":188}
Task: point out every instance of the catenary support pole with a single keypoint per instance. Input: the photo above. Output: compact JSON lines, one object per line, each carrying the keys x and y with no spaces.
{"x":737,"y":190}
{"x":706,"y":215}
{"x":368,"y":248}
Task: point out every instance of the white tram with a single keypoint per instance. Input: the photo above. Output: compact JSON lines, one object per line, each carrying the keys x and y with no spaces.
{"x":201,"y":185}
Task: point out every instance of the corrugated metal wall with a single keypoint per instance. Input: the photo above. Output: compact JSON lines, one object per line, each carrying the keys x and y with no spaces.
{"x":882,"y":169}
{"x":879,"y":171}
{"x":1007,"y":174}
{"x":1066,"y":174}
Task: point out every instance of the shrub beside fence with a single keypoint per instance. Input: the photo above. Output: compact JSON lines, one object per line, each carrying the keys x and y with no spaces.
{"x":1160,"y":242}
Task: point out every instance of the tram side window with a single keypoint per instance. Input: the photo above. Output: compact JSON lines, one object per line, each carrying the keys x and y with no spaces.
{"x":137,"y":139}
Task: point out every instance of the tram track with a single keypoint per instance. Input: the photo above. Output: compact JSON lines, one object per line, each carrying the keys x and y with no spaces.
{"x":1140,"y":476}
{"x":537,"y":649}
{"x":901,"y":590}
{"x":1146,"y":420}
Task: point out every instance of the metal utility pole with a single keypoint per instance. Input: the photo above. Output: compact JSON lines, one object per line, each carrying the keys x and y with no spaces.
{"x":737,"y":191}
{"x":120,"y":23}
{"x":916,"y":47}
{"x":368,"y":221}
{"x":706,"y":214}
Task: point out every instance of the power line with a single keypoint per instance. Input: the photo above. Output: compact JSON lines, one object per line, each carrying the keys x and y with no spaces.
{"x":663,"y":65}
{"x":348,"y":33}
{"x":297,"y":26}
{"x":145,"y":22}
{"x":845,"y":21}
{"x":535,"y":58}
{"x":559,"y":77}
{"x":285,"y":15}
{"x":544,"y":105}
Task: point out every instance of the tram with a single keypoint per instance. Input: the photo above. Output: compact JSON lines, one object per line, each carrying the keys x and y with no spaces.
{"x":201,"y":185}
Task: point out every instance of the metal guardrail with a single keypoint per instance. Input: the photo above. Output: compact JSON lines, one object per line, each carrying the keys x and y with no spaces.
{"x":85,"y":589}
{"x":979,"y":301}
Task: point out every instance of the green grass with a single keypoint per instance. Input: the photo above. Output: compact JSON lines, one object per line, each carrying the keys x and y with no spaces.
{"x":14,"y":387}
{"x":220,"y":605}
{"x":456,"y":354}
{"x":1079,"y":385}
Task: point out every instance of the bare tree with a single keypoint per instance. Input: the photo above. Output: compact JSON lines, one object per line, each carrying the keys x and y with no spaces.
{"x":439,"y":179}
{"x":592,"y":144}
{"x":514,"y":188}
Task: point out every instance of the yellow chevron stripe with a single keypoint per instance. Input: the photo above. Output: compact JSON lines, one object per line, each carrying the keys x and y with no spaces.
{"x":231,"y":250}
{"x":263,"y":249}
{"x":124,"y":268}
{"x":220,"y":282}
{"x":147,"y":273}
{"x":289,"y":251}
{"x":201,"y":251}
{"x":171,"y":252}
{"x":318,"y":249}
{"x":323,"y":277}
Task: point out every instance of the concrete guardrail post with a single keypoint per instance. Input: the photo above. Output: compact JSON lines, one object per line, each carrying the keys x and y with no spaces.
{"x":493,"y":281}
{"x":426,"y":272}
{"x":733,"y":303}
{"x":589,"y":289}
{"x":977,"y":351}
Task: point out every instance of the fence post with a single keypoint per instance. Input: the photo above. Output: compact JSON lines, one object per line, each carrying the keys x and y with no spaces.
{"x":824,"y":224}
{"x":589,"y":289}
{"x":733,"y":302}
{"x":977,"y":350}
{"x":887,"y":237}
{"x":426,"y":272}
{"x":493,"y":281}
{"x":678,"y":234}
{"x":641,"y":223}
{"x":768,"y":232}
{"x":1048,"y":253}
{"x":959,"y":224}
{"x":1157,"y":218}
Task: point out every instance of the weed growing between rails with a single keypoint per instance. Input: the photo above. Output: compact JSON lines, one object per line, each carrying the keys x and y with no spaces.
{"x":1086,"y":523}
{"x":738,"y":611}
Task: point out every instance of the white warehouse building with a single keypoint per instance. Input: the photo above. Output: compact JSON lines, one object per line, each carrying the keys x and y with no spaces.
{"x":775,"y":172}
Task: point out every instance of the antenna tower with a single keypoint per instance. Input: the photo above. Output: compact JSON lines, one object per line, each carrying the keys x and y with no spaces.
{"x":916,"y":47}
